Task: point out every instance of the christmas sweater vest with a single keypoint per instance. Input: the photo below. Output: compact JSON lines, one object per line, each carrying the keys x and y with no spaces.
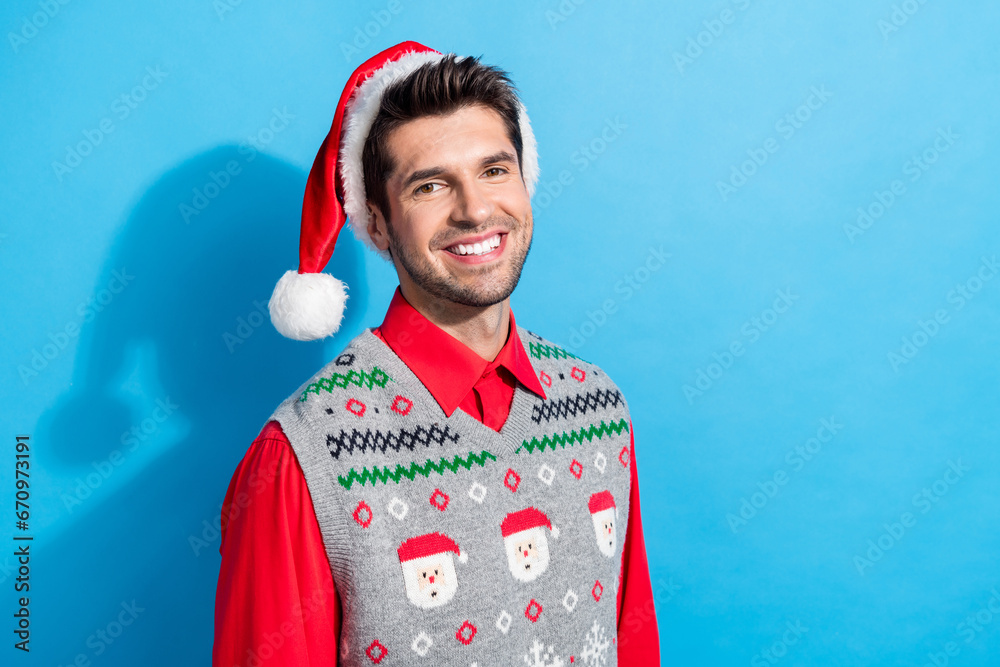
{"x":451,"y":543}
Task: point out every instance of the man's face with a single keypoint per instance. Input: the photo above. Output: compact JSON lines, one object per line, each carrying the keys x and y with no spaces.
{"x":459,"y":225}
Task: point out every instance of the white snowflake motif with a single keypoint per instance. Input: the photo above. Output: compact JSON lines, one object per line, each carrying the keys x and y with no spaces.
{"x":596,"y":651}
{"x":537,"y":656}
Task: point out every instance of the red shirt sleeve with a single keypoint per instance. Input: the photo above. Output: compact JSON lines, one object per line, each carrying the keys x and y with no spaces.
{"x":275,"y":602}
{"x":638,"y":636}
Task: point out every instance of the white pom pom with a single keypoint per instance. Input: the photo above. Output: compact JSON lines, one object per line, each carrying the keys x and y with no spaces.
{"x":463,"y":557}
{"x":555,"y":531}
{"x":307,"y":306}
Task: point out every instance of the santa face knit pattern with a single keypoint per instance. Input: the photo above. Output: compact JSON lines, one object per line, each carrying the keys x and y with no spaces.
{"x":451,"y":543}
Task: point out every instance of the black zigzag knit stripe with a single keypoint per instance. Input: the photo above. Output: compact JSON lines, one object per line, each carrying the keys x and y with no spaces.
{"x":572,"y":406}
{"x":395,"y":440}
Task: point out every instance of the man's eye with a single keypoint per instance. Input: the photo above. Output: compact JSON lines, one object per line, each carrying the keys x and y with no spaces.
{"x":426,"y":188}
{"x":495,"y":171}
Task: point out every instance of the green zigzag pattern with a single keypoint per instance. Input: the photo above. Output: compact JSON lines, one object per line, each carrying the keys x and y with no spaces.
{"x":572,"y":437}
{"x":370,"y":379}
{"x":377,"y":474}
{"x":540,"y":351}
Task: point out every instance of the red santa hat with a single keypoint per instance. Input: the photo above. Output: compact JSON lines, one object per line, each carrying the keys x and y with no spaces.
{"x":429,"y":544}
{"x":526,"y":519}
{"x":600,"y":501}
{"x":308,"y":304}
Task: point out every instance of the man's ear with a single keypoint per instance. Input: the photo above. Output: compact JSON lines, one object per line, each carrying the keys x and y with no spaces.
{"x":377,"y":227}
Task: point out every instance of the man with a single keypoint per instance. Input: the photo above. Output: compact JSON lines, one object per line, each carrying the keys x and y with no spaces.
{"x":450,"y":489}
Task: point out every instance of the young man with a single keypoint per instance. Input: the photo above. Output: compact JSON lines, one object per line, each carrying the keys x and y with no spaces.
{"x":451,"y":489}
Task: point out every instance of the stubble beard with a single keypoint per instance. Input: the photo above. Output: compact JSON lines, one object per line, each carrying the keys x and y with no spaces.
{"x":500,"y":280}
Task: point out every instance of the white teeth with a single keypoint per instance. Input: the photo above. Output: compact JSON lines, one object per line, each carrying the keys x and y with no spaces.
{"x":481,"y":248}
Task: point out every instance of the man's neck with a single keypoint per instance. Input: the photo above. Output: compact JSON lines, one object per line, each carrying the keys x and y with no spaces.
{"x":482,"y":330}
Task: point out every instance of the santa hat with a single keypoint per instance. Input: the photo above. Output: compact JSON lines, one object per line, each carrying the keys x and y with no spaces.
{"x":308,"y":304}
{"x":526,"y":519}
{"x":600,"y":501}
{"x":429,"y":545}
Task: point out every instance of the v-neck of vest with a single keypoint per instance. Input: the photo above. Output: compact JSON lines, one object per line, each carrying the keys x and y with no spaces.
{"x":501,"y":444}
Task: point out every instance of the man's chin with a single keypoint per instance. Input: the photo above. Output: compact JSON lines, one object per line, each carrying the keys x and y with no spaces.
{"x":470,"y":285}
{"x":478,"y":298}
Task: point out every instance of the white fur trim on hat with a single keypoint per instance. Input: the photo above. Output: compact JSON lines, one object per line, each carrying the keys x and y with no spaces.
{"x":307,"y":306}
{"x":360,"y":117}
{"x":529,"y":150}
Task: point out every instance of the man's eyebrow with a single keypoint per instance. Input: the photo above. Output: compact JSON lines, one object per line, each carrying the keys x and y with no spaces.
{"x":502,"y":156}
{"x":421,"y":175}
{"x":431,"y":172}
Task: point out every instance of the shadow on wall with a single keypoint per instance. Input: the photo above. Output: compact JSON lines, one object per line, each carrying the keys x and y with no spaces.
{"x":178,"y":367}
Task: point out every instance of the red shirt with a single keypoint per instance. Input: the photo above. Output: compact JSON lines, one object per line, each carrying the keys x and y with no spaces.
{"x":276,"y":603}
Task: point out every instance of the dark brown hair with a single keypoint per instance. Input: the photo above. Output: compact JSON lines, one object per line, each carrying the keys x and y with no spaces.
{"x":436,"y":88}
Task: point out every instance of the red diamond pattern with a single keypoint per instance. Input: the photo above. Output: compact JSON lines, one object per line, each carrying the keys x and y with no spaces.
{"x":439,"y":499}
{"x":466,"y":633}
{"x":512,"y":480}
{"x":578,"y":374}
{"x":597,"y":590}
{"x":376,"y":652}
{"x":356,"y":407}
{"x":363,"y":514}
{"x":533,"y":611}
{"x":623,"y":456}
{"x":576,"y":468}
{"x":546,"y":380}
{"x":402,"y":405}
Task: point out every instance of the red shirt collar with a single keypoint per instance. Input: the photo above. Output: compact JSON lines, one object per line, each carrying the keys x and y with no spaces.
{"x":445,"y":365}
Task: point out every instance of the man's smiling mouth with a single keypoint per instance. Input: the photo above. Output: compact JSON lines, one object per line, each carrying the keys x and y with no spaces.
{"x":479,"y":248}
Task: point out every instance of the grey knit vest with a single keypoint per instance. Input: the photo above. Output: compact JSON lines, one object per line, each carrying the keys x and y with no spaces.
{"x":450,"y":543}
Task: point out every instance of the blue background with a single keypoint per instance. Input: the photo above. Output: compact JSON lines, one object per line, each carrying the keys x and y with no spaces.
{"x":647,"y":108}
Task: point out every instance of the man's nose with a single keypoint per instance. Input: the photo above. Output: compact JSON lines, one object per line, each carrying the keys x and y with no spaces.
{"x":473,"y":204}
